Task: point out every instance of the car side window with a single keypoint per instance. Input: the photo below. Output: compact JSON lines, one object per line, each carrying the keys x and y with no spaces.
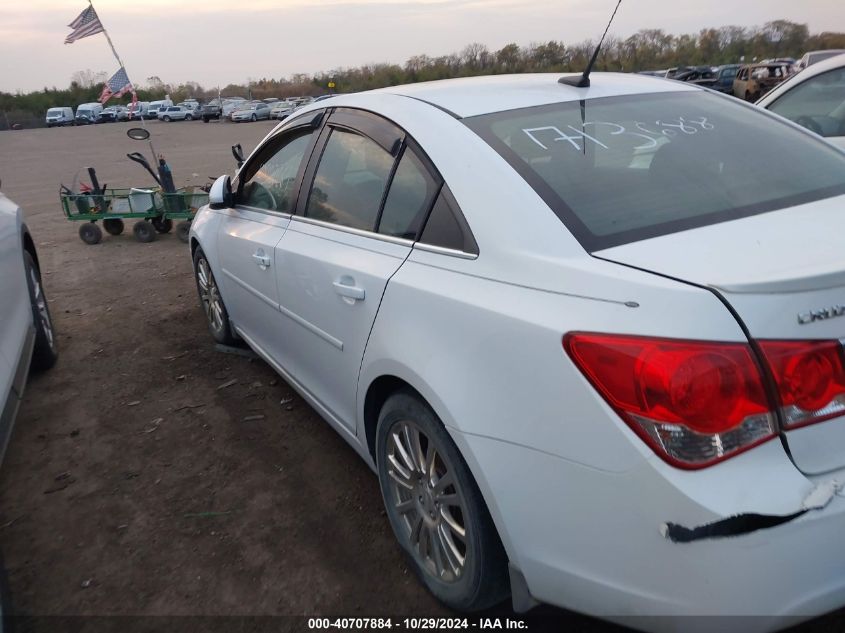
{"x":818,"y":103}
{"x":409,"y":199}
{"x":271,"y":185}
{"x":446,"y":226}
{"x":350,"y":181}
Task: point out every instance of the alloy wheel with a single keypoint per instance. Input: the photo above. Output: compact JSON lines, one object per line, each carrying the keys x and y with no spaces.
{"x":426,"y":497}
{"x":40,"y":303}
{"x":210,"y":295}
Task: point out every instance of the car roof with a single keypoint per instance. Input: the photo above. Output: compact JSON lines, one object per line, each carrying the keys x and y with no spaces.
{"x":472,"y":96}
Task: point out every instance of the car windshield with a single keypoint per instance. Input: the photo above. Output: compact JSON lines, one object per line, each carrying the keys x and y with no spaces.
{"x":54,"y":111}
{"x":622,"y":169}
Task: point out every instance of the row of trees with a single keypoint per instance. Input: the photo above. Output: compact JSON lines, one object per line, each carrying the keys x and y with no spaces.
{"x":647,"y":49}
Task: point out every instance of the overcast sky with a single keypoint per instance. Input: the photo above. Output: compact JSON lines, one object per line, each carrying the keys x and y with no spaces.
{"x":216,"y":42}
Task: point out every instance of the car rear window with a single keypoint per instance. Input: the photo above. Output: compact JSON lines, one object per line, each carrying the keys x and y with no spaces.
{"x":621,"y":169}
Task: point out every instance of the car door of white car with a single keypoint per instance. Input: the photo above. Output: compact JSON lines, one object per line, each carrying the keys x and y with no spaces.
{"x":369,"y":194}
{"x":268,"y":186}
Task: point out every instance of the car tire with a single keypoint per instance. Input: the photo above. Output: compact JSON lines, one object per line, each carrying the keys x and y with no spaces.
{"x":113,"y":226}
{"x":144,"y":231}
{"x":211,"y":301}
{"x":166,"y":118}
{"x":46,"y":352}
{"x":188,"y":117}
{"x":465,"y":572}
{"x":90,"y":233}
{"x":205,"y":119}
{"x":253,"y":118}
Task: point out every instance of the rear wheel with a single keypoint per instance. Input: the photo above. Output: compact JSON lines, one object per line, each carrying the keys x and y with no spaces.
{"x":46,"y":351}
{"x":162,"y":225}
{"x":183,"y":231}
{"x":212,"y":304}
{"x":188,"y":117}
{"x":113,"y":226}
{"x":165,"y":118}
{"x":144,"y":231}
{"x":435,"y":507}
{"x":90,"y":233}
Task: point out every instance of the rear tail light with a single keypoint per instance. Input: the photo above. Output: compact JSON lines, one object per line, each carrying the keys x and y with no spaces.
{"x":810,"y":376}
{"x":694,"y":403}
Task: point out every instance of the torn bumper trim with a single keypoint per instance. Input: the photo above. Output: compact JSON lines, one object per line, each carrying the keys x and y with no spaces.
{"x":740,"y":524}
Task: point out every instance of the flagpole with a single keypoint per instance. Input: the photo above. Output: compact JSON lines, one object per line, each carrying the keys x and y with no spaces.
{"x":123,"y":66}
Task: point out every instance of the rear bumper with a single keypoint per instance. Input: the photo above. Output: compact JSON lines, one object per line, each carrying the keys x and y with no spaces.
{"x":593,"y":541}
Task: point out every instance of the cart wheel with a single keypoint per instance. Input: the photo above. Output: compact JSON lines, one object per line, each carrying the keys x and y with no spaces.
{"x":183,"y":231}
{"x":162,"y":225}
{"x":144,"y":231}
{"x":90,"y":233}
{"x":113,"y":226}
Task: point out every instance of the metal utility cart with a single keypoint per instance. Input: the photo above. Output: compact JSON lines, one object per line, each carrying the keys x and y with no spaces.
{"x":155,"y":209}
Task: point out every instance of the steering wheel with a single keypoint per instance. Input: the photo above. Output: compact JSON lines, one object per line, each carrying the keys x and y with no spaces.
{"x":809,"y":123}
{"x":261,"y":197}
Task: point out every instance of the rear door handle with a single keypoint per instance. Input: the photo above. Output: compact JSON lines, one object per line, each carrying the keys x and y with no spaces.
{"x":345,"y":288}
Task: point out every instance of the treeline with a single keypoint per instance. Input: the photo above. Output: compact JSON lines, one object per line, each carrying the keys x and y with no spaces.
{"x":648,"y":49}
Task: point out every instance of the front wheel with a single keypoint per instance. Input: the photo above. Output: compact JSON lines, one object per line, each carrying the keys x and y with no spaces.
{"x":435,"y":507}
{"x":166,"y":119}
{"x":211,"y":301}
{"x":253,"y":118}
{"x":90,"y":233}
{"x":188,"y":117}
{"x":46,"y":350}
{"x":144,"y":231}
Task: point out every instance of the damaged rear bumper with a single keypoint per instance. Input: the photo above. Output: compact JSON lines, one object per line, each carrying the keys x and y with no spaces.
{"x":662,"y":549}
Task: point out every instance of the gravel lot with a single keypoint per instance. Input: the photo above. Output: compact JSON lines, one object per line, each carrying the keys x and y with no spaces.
{"x":136,"y":482}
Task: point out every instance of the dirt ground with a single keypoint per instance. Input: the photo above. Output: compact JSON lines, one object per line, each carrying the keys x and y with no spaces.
{"x":137,"y":483}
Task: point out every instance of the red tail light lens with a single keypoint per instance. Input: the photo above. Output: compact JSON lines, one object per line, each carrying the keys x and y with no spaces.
{"x":810,"y":376}
{"x":695,"y":403}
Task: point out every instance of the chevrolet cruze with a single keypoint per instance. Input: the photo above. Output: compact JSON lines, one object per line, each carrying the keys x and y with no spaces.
{"x":590,"y":338}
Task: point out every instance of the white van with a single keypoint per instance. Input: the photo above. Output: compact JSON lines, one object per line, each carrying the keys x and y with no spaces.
{"x":155,"y":106}
{"x":139,"y":111}
{"x":59,"y":116}
{"x":88,"y":113}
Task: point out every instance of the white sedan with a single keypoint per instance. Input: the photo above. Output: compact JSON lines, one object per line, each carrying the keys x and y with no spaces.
{"x":27,"y":338}
{"x":590,"y":339}
{"x":814,"y":98}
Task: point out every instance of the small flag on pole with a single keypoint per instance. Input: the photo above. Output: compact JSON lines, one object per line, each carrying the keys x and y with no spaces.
{"x":87,"y":23}
{"x":117,"y":86}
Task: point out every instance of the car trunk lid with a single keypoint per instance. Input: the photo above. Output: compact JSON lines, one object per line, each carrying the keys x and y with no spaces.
{"x":782,"y":274}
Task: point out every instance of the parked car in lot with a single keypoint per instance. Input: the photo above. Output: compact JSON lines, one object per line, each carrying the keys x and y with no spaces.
{"x":59,"y":117}
{"x":211,"y":110}
{"x":193,"y":106}
{"x":281,"y":110}
{"x":721,"y":78}
{"x":155,"y":106}
{"x":88,"y":113}
{"x":814,"y":98}
{"x":114,"y":113}
{"x":755,"y":80}
{"x":814,"y":57}
{"x":251,"y":112}
{"x":589,"y":363}
{"x":138,"y":111}
{"x":175,"y":113}
{"x":27,"y":338}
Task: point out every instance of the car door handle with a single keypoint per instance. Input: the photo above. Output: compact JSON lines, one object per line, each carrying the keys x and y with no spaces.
{"x":261,"y":259}
{"x":348,"y":290}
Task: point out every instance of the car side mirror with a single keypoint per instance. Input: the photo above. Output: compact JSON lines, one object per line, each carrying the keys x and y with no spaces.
{"x":220,"y":196}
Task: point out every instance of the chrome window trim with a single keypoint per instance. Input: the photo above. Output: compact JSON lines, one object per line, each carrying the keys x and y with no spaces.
{"x":442,"y":250}
{"x":348,"y":229}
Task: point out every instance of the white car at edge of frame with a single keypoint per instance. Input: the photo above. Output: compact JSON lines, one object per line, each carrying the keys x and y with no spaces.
{"x":590,"y":339}
{"x":814,"y":98}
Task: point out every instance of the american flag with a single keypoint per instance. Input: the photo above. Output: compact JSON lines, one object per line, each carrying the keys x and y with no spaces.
{"x":117,"y":86}
{"x":87,"y":23}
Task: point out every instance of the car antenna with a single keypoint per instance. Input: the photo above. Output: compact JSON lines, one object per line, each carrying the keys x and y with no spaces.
{"x":584,"y":80}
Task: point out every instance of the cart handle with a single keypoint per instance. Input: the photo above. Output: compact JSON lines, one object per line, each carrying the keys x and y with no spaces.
{"x":139,"y":158}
